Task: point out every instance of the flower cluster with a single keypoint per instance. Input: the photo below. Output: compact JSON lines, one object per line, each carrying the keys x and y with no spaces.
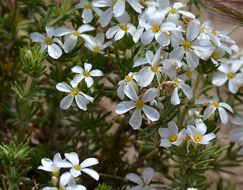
{"x":81,"y":98}
{"x":67,"y":179}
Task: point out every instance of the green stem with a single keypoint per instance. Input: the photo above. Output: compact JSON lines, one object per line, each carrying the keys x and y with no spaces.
{"x":234,"y":28}
{"x":4,"y":184}
{"x":28,"y":85}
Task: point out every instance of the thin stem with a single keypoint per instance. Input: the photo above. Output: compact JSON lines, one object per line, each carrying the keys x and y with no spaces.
{"x":234,"y":28}
{"x":28,"y":85}
{"x":4,"y":184}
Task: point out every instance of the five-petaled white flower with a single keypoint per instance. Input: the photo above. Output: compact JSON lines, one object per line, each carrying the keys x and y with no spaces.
{"x":48,"y":42}
{"x":129,"y":79}
{"x":192,"y":47}
{"x":124,"y":27}
{"x":228,"y":72}
{"x":197,"y":134}
{"x":67,"y":182}
{"x":53,"y":166}
{"x":144,"y":183}
{"x":81,"y":99}
{"x":77,"y":168}
{"x":88,"y":6}
{"x":212,"y":106}
{"x":196,"y":119}
{"x":171,"y":136}
{"x":146,"y":74}
{"x":138,"y":103}
{"x":86,"y":74}
{"x":71,"y":36}
{"x":96,"y":44}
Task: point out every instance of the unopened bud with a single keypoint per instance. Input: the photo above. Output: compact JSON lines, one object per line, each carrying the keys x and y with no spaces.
{"x":54,"y":181}
{"x":28,"y":55}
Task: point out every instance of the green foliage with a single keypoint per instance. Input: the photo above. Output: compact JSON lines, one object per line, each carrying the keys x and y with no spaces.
{"x":14,"y":165}
{"x":32,"y":61}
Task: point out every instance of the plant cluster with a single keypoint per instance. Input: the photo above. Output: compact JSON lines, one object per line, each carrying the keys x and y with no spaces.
{"x":152,"y":85}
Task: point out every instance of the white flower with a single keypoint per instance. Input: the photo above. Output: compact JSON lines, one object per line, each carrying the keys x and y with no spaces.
{"x":77,"y":168}
{"x":129,"y":79}
{"x":81,"y":99}
{"x":212,"y":106}
{"x":228,"y":72}
{"x":174,"y":13}
{"x":146,"y":74}
{"x":155,"y":27}
{"x":191,"y":189}
{"x":86,"y":74}
{"x":196,"y":119}
{"x":48,"y":43}
{"x":124,"y":27}
{"x":71,"y":37}
{"x":157,"y":102}
{"x":144,"y":183}
{"x":179,"y":84}
{"x":192,"y":47}
{"x":96,"y":44}
{"x":67,"y":182}
{"x":170,"y":135}
{"x":197,"y":134}
{"x":189,"y":74}
{"x":217,"y":55}
{"x":171,"y":66}
{"x":88,"y":6}
{"x":138,"y":103}
{"x":53,"y":166}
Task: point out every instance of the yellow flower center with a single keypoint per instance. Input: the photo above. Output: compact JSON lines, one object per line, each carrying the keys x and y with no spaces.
{"x":215,"y":55}
{"x":128,"y":78}
{"x":89,"y":6}
{"x":77,"y":167}
{"x":61,"y":188}
{"x":176,"y":82}
{"x":186,"y":45}
{"x":189,"y":74}
{"x":172,"y":11}
{"x":169,"y":33}
{"x":175,"y":63}
{"x":216,"y":104}
{"x":75,"y":92}
{"x":96,"y":48}
{"x":196,"y":117}
{"x":214,"y":32}
{"x":86,"y":73}
{"x":48,"y":41}
{"x":75,"y":33}
{"x":55,"y":173}
{"x":156,"y":28}
{"x":124,"y":27}
{"x":139,"y":104}
{"x":145,"y":185}
{"x":202,"y":28}
{"x":154,"y":69}
{"x":173,"y":138}
{"x":231,"y":75}
{"x":198,"y":138}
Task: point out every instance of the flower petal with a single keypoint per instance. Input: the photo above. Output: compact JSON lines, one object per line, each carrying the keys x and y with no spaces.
{"x":223,"y":115}
{"x":63,"y":87}
{"x":134,"y":178}
{"x":72,"y":157}
{"x":37,"y":37}
{"x":136,"y":119}
{"x":148,"y":174}
{"x":54,"y":51}
{"x":131,"y":92}
{"x":91,"y":173}
{"x":124,"y":107}
{"x":70,"y":43}
{"x":89,"y":162}
{"x":66,"y":102}
{"x":82,"y":102}
{"x":151,"y":113}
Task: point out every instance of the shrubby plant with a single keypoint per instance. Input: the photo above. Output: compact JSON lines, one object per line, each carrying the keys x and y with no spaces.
{"x":153,"y":86}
